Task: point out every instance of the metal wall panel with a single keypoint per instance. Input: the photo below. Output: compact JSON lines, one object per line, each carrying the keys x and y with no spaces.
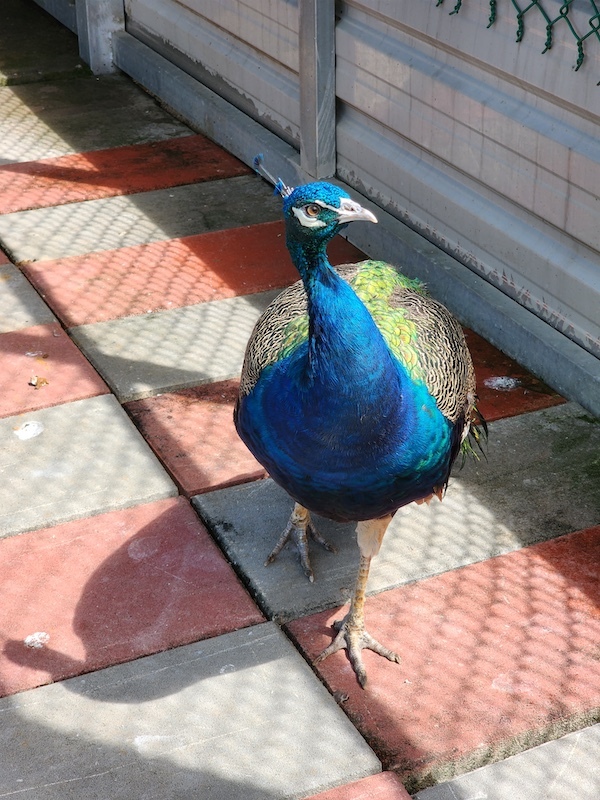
{"x":487,"y":148}
{"x":465,"y":34}
{"x":247,"y":51}
{"x":63,"y":10}
{"x":486,"y":164}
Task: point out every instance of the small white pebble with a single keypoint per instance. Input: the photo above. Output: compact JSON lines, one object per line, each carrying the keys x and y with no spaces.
{"x":37,"y":640}
{"x":29,"y":430}
{"x":502,"y":384}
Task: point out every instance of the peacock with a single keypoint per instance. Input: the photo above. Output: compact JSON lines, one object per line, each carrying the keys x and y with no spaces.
{"x":357,"y":394}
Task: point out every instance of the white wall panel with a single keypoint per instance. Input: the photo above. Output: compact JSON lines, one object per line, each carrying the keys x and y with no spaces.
{"x":497,"y":171}
{"x":243,"y":50}
{"x":466,"y":36}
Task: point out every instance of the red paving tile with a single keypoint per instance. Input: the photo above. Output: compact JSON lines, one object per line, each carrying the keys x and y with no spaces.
{"x":192,"y":432}
{"x":385,"y":786}
{"x":504,"y":387}
{"x":111,"y":588}
{"x":496,"y":656}
{"x":162,"y":275}
{"x":41,"y":367}
{"x":4,"y":259}
{"x":116,"y":171}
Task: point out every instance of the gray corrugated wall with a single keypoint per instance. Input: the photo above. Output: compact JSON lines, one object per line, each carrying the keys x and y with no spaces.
{"x":483,"y":145}
{"x":486,"y":147}
{"x":247,"y":52}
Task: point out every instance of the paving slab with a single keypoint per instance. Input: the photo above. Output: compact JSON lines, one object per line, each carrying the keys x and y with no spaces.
{"x":169,"y":274}
{"x":106,"y":589}
{"x":110,"y":223}
{"x":505,"y":388}
{"x":117,"y":171}
{"x":203,"y":343}
{"x":74,"y":460}
{"x":496,"y":657}
{"x":237,"y":716}
{"x":34,"y":46}
{"x":193,"y":434}
{"x":385,"y":786}
{"x":566,"y":769}
{"x":20,"y":305}
{"x":540,"y":480}
{"x":59,"y":118}
{"x":41,"y":367}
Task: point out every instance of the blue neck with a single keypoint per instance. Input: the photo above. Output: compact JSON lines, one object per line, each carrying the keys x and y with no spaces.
{"x":343,"y":338}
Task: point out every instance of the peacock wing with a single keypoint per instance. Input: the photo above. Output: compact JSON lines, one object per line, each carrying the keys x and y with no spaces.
{"x":272,"y":333}
{"x":442,"y":355}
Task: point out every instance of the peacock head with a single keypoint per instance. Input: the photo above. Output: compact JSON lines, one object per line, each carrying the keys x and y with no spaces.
{"x":317,"y":211}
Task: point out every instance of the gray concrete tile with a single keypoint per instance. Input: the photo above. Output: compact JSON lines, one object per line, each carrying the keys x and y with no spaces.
{"x":58,"y":118}
{"x":145,"y":355}
{"x":71,"y":461}
{"x":107,"y":224}
{"x":540,"y":481}
{"x":565,"y":769}
{"x":20,"y":305}
{"x":247,"y":521}
{"x":238,"y":717}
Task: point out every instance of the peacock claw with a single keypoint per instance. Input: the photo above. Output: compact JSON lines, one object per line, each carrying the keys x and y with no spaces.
{"x":300,"y":528}
{"x":354,"y":638}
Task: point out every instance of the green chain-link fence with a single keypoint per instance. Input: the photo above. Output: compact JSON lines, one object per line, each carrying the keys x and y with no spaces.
{"x":537,"y":7}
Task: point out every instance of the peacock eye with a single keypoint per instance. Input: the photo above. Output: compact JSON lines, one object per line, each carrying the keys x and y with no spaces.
{"x":312,"y":210}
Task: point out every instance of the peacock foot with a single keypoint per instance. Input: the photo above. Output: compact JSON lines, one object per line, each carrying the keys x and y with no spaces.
{"x":354,"y":638}
{"x":299,"y":529}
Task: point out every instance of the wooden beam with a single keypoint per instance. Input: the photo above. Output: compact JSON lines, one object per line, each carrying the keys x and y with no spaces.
{"x":317,"y":87}
{"x":97,"y":22}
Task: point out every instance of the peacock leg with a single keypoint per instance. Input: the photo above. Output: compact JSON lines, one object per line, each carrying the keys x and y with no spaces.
{"x":352,"y":634}
{"x":300,"y":528}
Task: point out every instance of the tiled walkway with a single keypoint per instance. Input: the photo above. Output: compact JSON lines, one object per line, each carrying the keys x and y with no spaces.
{"x":145,"y":650}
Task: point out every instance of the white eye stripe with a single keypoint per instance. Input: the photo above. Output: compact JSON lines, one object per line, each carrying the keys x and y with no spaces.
{"x":325,"y":205}
{"x":346,"y":204}
{"x":309,"y":222}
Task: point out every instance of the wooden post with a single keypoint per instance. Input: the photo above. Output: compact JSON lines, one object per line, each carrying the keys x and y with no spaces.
{"x":97,"y":21}
{"x":317,"y":88}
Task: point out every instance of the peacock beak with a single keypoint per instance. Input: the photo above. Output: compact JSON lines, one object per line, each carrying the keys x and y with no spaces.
{"x":350,"y":211}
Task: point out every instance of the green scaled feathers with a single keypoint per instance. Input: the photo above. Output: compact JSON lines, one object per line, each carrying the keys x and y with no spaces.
{"x":296,"y":332}
{"x":375,"y":282}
